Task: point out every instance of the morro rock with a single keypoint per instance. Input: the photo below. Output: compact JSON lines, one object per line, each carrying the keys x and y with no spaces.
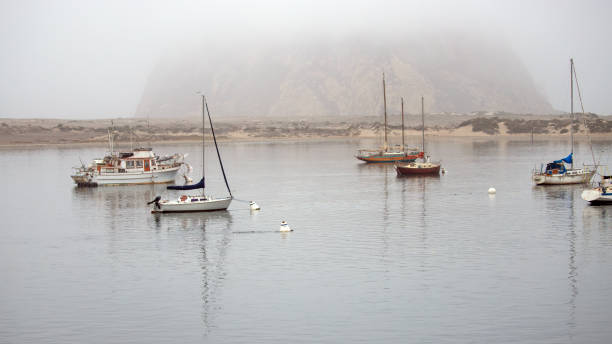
{"x":340,"y":77}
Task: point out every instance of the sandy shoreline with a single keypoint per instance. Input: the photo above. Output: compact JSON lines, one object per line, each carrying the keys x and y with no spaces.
{"x":143,"y":132}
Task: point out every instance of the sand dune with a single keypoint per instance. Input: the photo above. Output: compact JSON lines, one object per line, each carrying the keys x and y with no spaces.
{"x":18,"y":132}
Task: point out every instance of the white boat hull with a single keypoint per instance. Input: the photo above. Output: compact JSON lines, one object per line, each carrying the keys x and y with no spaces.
{"x":188,"y":205}
{"x":570,"y":177}
{"x":129,"y":178}
{"x":595,"y":196}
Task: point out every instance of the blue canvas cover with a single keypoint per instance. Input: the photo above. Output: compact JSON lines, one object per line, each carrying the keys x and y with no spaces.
{"x":568,"y":159}
{"x":199,"y":185}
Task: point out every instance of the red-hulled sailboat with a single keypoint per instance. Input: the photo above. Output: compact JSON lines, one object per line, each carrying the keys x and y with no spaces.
{"x":426,"y":167}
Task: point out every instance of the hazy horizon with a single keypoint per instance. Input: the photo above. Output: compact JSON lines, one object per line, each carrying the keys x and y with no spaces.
{"x":93,"y":59}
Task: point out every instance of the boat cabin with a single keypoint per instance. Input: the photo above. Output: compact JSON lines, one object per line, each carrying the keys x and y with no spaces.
{"x":555,"y":168}
{"x":138,"y":161}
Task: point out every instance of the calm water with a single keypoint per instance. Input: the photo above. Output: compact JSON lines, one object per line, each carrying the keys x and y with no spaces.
{"x":373,"y":258}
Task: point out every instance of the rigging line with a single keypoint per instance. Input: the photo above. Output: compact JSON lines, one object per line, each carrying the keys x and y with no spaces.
{"x":584,"y":117}
{"x":217,"y":148}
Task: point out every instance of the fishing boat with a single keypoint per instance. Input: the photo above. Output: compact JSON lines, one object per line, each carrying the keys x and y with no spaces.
{"x":137,"y":166}
{"x":201,"y":202}
{"x":425,"y":167}
{"x":386,"y":153}
{"x":556,"y":172}
{"x":602,"y":194}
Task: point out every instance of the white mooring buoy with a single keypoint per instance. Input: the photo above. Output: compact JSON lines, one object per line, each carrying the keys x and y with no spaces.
{"x":284,"y":227}
{"x":254,"y":206}
{"x":492,"y":190}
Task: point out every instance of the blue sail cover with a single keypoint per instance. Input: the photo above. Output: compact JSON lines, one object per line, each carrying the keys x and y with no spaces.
{"x":568,"y":159}
{"x":199,"y":185}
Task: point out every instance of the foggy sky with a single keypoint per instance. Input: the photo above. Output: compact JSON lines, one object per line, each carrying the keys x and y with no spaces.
{"x":91,"y":59}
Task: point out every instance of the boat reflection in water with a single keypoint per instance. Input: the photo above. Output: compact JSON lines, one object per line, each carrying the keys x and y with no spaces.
{"x":213,"y":232}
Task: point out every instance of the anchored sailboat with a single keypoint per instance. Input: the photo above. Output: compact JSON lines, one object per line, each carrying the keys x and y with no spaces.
{"x":196,"y":203}
{"x":385,"y":154}
{"x":417,"y":167}
{"x":556,"y":172}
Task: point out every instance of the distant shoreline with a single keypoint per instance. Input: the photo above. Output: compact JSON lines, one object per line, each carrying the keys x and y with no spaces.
{"x":60,"y":132}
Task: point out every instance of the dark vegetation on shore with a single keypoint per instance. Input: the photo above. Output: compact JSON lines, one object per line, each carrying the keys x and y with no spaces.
{"x":492,"y":125}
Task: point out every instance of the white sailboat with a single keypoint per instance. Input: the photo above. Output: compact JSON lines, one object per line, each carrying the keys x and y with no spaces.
{"x":196,"y":203}
{"x":556,"y":172}
{"x":601,"y":194}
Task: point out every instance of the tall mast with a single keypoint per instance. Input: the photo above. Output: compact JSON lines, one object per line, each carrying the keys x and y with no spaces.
{"x":110,"y":142}
{"x":110,"y":138}
{"x":386,"y":146}
{"x":203,"y":147}
{"x":572,"y":109}
{"x":423,"y":121}
{"x":403,"y":144}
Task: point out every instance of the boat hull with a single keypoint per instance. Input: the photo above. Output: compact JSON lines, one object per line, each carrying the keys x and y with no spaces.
{"x":596,"y":197}
{"x":416,"y":169}
{"x":109,"y":179}
{"x":388,"y":157}
{"x":580,"y":177}
{"x":190,"y":207}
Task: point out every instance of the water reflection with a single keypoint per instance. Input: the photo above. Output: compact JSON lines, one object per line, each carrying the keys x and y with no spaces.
{"x":556,"y":192}
{"x":122,"y":210}
{"x":596,"y":216}
{"x":375,"y":167}
{"x":213,"y":266}
{"x":114,"y":198}
{"x":482,"y":146}
{"x":215,"y":231}
{"x":572,"y":266}
{"x":560,"y":209}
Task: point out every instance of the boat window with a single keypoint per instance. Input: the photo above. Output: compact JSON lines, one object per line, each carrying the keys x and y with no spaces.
{"x":129,"y":164}
{"x":138,"y":163}
{"x":109,"y":170}
{"x":194,"y":199}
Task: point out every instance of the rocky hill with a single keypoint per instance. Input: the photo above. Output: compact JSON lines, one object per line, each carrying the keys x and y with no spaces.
{"x":336,"y":77}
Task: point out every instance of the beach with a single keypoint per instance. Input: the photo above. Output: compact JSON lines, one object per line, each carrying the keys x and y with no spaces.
{"x":143,"y":131}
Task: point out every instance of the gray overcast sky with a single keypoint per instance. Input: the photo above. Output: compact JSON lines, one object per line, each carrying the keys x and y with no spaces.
{"x":91,"y":59}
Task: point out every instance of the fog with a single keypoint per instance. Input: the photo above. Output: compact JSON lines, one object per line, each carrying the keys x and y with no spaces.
{"x":86,"y":59}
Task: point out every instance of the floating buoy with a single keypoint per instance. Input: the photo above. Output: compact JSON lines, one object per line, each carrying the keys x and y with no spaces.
{"x":254,"y":206}
{"x":492,"y":190}
{"x":443,"y":170}
{"x":284,"y":227}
